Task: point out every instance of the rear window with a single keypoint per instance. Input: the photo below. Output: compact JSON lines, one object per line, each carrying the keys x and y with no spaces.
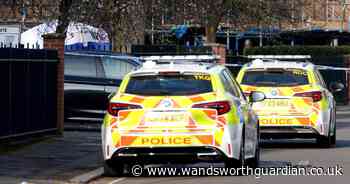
{"x":169,"y":85}
{"x":275,"y":77}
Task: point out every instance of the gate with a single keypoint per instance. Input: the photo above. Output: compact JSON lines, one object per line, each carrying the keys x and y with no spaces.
{"x":28,"y":81}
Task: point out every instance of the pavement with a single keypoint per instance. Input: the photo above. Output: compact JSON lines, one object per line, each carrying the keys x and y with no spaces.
{"x":59,"y":159}
{"x":76,"y":157}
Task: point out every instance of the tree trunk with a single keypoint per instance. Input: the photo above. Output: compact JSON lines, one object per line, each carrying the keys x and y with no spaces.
{"x":63,"y":18}
{"x":117,"y":39}
{"x":210,"y":32}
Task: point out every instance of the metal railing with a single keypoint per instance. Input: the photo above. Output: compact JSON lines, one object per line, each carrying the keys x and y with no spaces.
{"x":28,"y":92}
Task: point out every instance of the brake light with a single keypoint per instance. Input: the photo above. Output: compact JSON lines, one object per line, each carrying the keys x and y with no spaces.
{"x":315,"y":95}
{"x":222,"y":107}
{"x":114,"y":108}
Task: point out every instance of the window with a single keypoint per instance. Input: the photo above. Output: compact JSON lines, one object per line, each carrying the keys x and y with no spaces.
{"x":235,"y":85}
{"x":170,"y":85}
{"x":116,"y":69}
{"x":228,"y":85}
{"x":319,"y":79}
{"x":276,"y":77}
{"x":80,"y":66}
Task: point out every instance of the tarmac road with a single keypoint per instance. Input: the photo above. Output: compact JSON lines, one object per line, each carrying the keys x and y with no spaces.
{"x":275,"y":153}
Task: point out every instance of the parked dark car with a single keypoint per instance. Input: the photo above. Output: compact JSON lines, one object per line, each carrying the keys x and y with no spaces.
{"x":89,"y":79}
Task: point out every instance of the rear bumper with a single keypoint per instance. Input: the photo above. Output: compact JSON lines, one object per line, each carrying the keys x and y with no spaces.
{"x":168,"y":154}
{"x":288,"y":132}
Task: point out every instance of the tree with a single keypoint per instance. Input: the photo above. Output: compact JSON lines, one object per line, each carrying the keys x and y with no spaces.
{"x":122,"y":19}
{"x":214,"y":11}
{"x":64,"y":10}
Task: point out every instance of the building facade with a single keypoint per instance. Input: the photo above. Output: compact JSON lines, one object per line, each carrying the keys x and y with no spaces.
{"x":323,"y":14}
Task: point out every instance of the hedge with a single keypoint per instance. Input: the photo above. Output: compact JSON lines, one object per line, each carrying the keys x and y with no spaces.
{"x":299,"y":50}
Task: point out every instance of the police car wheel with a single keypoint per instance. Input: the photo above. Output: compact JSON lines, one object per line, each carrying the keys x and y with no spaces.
{"x":334,"y":136}
{"x":115,"y":169}
{"x":324,"y":141}
{"x":254,"y":162}
{"x":234,"y":163}
{"x":327,"y":141}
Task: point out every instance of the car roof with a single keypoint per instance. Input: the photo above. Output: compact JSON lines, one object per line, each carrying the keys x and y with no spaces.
{"x":261,"y":64}
{"x":183,"y":66}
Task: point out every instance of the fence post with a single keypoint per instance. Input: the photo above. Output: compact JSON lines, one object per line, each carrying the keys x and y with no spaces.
{"x":56,"y":41}
{"x":347,"y":77}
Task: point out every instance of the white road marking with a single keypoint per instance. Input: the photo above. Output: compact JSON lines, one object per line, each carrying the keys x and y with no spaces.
{"x":117,"y":180}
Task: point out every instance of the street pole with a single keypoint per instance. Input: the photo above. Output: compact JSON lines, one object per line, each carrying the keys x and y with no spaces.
{"x":342,"y":16}
{"x":344,"y":4}
{"x":152,"y":31}
{"x":228,"y":39}
{"x":236,"y":44}
{"x":260,"y":26}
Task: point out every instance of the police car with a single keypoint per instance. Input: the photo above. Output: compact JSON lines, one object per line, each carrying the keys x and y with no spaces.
{"x":297,"y":104}
{"x":180,"y":109}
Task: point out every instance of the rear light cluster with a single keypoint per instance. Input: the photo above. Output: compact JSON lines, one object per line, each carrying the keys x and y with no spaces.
{"x":114,"y":108}
{"x":222,"y":107}
{"x":315,"y":95}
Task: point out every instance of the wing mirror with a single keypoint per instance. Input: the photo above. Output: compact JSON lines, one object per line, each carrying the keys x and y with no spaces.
{"x":336,"y":87}
{"x":256,"y":96}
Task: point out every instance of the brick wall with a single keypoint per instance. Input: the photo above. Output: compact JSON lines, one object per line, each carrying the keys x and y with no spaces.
{"x":56,"y":41}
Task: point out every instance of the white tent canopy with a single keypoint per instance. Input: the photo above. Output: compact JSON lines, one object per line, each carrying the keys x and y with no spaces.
{"x":76,"y":33}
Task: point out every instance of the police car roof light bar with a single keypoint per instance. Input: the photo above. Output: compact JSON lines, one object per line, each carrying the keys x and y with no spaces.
{"x":276,"y":57}
{"x":182,"y":58}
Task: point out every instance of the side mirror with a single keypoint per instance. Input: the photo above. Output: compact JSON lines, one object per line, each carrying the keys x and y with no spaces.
{"x":336,"y":87}
{"x":256,"y":96}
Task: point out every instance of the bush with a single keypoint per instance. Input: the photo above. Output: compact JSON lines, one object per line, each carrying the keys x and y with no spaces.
{"x":299,"y":50}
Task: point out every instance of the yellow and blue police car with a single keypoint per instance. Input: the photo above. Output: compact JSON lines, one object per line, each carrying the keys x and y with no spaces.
{"x":180,"y":110}
{"x":298,"y":103}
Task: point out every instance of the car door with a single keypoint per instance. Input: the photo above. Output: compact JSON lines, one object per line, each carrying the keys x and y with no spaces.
{"x":328,"y":95}
{"x":83,"y":88}
{"x":250,"y":122}
{"x":321,"y":82}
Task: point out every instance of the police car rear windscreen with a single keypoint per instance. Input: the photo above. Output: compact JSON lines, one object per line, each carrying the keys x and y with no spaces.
{"x":169,"y":85}
{"x":275,"y":77}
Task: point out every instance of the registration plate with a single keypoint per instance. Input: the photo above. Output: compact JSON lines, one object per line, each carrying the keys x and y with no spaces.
{"x":160,"y":118}
{"x":277,"y":103}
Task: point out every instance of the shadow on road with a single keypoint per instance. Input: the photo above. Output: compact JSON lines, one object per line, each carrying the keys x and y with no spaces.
{"x":343,"y":143}
{"x":289,"y":143}
{"x":300,"y":144}
{"x":343,"y":124}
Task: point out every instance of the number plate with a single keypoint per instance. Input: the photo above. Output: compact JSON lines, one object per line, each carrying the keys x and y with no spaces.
{"x":166,"y":118}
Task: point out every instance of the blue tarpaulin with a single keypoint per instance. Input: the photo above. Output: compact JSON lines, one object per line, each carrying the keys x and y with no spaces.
{"x":180,"y":31}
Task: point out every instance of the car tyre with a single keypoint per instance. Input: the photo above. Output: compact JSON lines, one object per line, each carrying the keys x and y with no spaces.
{"x":334,"y":136}
{"x":328,"y":141}
{"x":116,"y":169}
{"x":255,"y":161}
{"x":234,"y":163}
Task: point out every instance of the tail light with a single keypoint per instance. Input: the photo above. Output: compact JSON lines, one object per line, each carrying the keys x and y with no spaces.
{"x":222,"y":107}
{"x":315,"y":95}
{"x":114,"y":108}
